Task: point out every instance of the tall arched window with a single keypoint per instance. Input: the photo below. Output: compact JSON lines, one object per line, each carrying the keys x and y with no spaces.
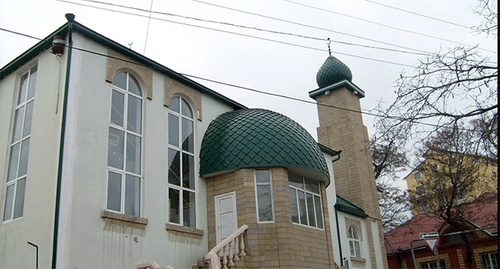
{"x":354,"y":242}
{"x":125,"y":146}
{"x":19,"y":148}
{"x":181,"y":177}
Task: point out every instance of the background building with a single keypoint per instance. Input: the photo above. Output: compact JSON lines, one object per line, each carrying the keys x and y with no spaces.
{"x":481,"y":228}
{"x":430,"y":183}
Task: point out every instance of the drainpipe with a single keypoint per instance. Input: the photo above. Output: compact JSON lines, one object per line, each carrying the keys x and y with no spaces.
{"x":337,"y":221}
{"x":70,"y":17}
{"x":35,"y":246}
{"x":338,"y":235}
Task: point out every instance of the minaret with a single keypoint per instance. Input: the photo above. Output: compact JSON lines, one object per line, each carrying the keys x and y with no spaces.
{"x":341,"y":127}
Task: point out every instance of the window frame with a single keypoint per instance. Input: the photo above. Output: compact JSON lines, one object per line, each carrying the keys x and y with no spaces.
{"x":420,"y":190}
{"x":318,"y":224}
{"x":423,"y":206}
{"x":433,"y":264}
{"x":354,"y":242}
{"x":125,"y":175}
{"x":180,"y":117}
{"x":21,"y":104}
{"x":270,"y":184}
{"x":490,"y":261}
{"x":417,"y":175}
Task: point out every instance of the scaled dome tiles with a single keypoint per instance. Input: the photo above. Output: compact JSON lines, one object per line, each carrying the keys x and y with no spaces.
{"x":252,"y":138}
{"x":333,"y":71}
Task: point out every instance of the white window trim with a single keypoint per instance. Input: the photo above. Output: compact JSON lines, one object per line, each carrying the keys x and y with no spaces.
{"x":272,"y":196}
{"x":124,"y":171}
{"x":307,"y":209}
{"x":179,"y":148}
{"x":15,"y":181}
{"x":355,"y":240}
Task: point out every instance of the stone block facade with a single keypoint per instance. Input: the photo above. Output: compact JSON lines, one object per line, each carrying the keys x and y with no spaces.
{"x":280,"y":244}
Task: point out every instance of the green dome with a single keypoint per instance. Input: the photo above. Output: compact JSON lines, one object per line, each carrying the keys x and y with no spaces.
{"x":252,"y":138}
{"x":333,"y":71}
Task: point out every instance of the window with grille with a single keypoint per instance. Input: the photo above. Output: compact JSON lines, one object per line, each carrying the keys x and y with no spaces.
{"x":305,"y":198}
{"x":181,"y":177}
{"x":125,"y":146}
{"x":17,"y":174}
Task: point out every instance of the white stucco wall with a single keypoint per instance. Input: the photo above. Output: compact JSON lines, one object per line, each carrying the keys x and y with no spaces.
{"x":331,"y":195}
{"x":36,"y":224}
{"x":365,"y":252}
{"x":87,"y":240}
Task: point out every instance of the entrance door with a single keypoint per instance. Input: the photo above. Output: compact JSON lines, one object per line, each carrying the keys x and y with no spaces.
{"x":225,"y":215}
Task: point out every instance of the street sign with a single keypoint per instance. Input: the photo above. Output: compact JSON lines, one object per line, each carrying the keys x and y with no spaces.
{"x":431,"y":243}
{"x":429,"y":235}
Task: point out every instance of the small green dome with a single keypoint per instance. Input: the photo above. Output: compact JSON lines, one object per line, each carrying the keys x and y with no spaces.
{"x":333,"y":71}
{"x":252,"y":138}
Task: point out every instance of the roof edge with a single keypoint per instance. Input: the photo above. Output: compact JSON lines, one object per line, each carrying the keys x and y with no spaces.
{"x":344,"y":83}
{"x":350,"y":208}
{"x":141,"y":59}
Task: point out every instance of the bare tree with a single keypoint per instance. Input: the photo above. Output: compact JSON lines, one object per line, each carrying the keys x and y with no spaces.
{"x":453,"y":175}
{"x":487,"y":9}
{"x":389,"y":158}
{"x":449,"y":87}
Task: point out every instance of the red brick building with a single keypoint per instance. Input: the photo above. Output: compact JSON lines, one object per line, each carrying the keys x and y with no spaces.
{"x":481,"y":229}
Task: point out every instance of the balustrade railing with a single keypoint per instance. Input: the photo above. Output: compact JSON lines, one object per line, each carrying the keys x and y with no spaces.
{"x":229,"y":250}
{"x":152,"y":265}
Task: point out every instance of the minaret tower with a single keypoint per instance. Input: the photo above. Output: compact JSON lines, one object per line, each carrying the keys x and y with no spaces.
{"x":341,"y":127}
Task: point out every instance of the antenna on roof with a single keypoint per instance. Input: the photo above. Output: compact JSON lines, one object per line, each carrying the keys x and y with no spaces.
{"x":130,"y":45}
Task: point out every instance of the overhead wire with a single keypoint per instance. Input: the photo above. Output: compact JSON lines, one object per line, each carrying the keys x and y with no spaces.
{"x":249,"y":27}
{"x":241,"y":34}
{"x":309,"y":26}
{"x":363,"y":112}
{"x":418,"y":14}
{"x":376,"y":23}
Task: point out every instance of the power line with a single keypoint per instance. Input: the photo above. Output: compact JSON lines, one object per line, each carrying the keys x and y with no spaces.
{"x":418,"y":14}
{"x":233,"y":85}
{"x":248,"y":27}
{"x":309,"y":26}
{"x":147,"y":29}
{"x":241,"y":34}
{"x":376,"y":23}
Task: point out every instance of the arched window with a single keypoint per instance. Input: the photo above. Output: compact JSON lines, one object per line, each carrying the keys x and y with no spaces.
{"x":181,"y":177}
{"x":19,"y":147}
{"x":125,"y":146}
{"x":354,"y":242}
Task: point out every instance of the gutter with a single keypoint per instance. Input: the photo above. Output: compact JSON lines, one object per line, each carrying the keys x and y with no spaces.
{"x":70,"y":17}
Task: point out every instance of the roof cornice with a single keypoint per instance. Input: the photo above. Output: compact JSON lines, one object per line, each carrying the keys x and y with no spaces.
{"x":134,"y":56}
{"x":344,"y":83}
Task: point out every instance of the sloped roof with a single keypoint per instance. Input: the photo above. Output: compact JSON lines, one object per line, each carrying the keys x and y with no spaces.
{"x":483,"y":212}
{"x":137,"y":58}
{"x":251,"y":138}
{"x":350,"y":208}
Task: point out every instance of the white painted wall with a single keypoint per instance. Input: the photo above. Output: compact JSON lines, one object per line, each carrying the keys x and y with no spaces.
{"x":365,"y":251}
{"x":36,"y":225}
{"x":331,"y":195}
{"x":89,"y":240}
{"x":86,"y":240}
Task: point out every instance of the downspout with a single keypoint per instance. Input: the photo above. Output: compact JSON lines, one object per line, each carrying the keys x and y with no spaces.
{"x":338,"y":235}
{"x":337,"y":221}
{"x":70,"y":17}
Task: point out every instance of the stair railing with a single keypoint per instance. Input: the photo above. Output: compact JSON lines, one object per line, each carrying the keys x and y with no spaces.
{"x":229,"y":250}
{"x":152,"y":265}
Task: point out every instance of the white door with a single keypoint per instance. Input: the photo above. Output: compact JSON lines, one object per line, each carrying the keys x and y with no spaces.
{"x":225,"y":215}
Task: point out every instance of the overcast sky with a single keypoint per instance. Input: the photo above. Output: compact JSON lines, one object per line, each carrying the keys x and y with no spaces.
{"x":377,"y":39}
